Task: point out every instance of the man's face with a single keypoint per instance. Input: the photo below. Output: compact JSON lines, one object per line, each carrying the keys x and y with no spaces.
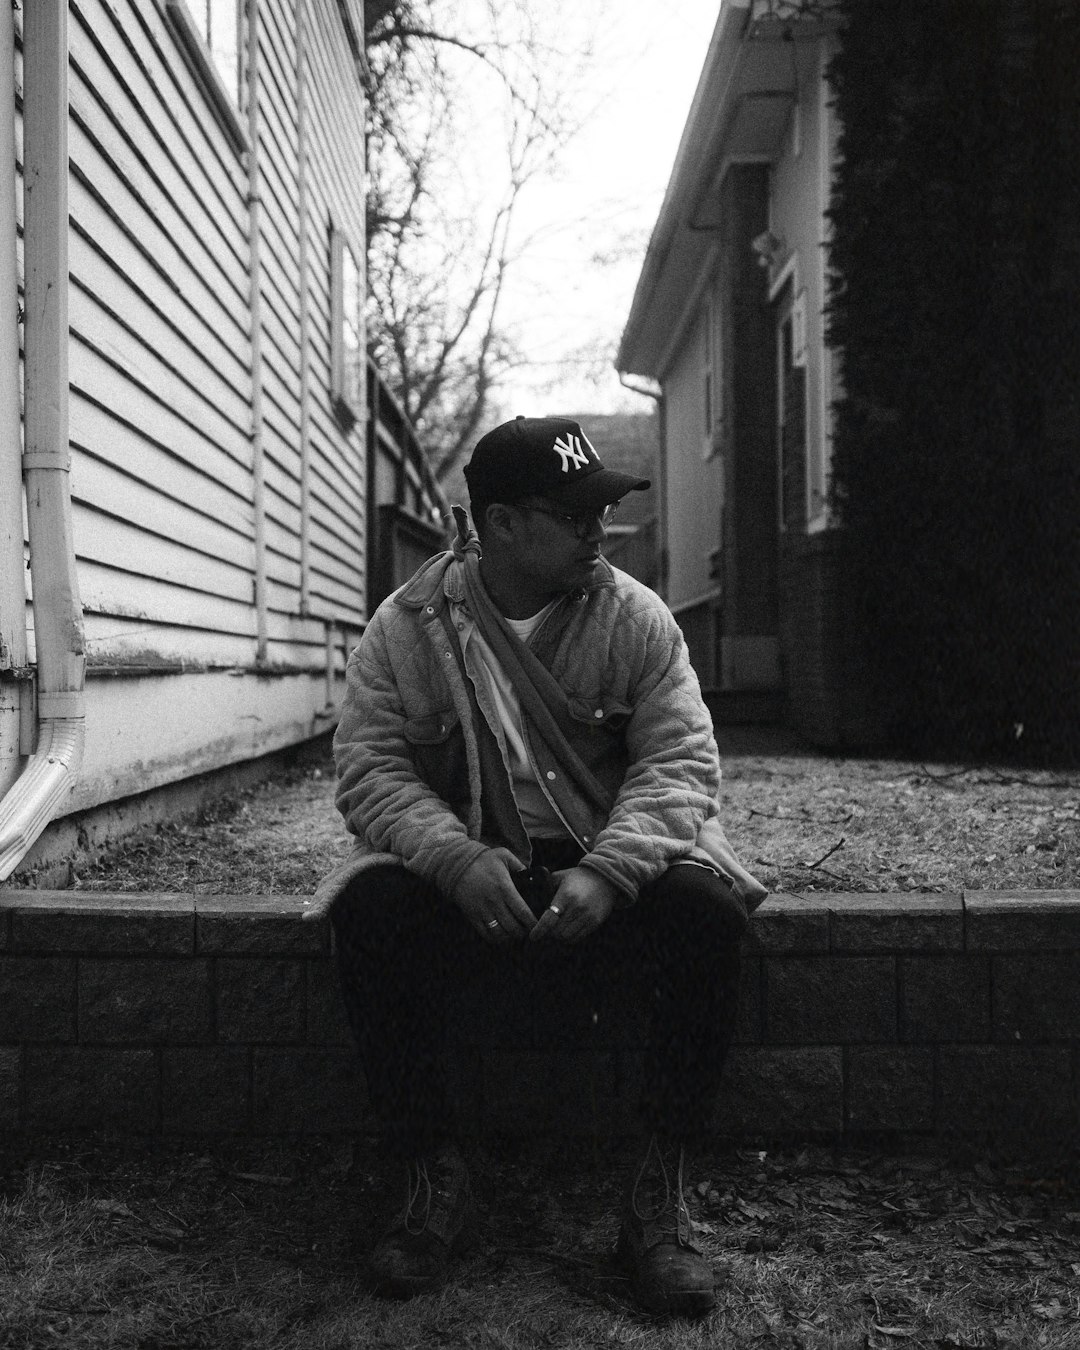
{"x":548,"y":554}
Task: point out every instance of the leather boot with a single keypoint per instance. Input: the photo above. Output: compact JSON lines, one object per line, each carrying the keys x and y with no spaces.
{"x":435,"y":1223}
{"x":669,"y":1275}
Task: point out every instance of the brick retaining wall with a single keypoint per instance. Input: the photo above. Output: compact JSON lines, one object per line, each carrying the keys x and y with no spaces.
{"x":924,"y":1014}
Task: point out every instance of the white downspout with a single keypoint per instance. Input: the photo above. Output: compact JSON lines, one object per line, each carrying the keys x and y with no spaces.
{"x":258,"y":458}
{"x":305,"y":306}
{"x":13,"y":667}
{"x":52,"y":770}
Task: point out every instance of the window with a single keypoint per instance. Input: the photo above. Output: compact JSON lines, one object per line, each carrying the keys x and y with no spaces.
{"x":712,"y":377}
{"x":219,"y":23}
{"x":347,"y":356}
{"x":212,"y":35}
{"x":791,"y":410}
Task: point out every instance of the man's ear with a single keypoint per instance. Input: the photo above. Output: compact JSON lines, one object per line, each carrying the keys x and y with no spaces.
{"x":500,"y":521}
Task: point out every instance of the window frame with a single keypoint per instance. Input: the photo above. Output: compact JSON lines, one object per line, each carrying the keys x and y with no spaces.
{"x":349,"y":404}
{"x":200,"y":61}
{"x":712,"y":375}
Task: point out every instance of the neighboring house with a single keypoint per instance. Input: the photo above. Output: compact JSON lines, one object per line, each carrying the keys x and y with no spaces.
{"x":213,"y":475}
{"x":728,"y":318}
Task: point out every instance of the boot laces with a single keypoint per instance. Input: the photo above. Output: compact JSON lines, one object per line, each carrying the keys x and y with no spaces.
{"x":653,"y":1205}
{"x":422,"y":1195}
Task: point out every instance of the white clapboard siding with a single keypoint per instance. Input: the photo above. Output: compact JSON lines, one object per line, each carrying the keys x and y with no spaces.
{"x":334,"y":171}
{"x":155,"y":97}
{"x":143,"y":733}
{"x":112,"y":640}
{"x":100,"y":485}
{"x":114,"y":318}
{"x":104,"y":162}
{"x":169,"y":411}
{"x":162,"y":410}
{"x":283,"y":519}
{"x":203,"y":326}
{"x":220,"y":485}
{"x":141,"y":50}
{"x":143,"y":414}
{"x":107,"y":538}
{"x":151,"y":608}
{"x":105,"y":590}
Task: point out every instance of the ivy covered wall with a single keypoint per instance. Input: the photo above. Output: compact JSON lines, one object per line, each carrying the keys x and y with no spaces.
{"x":955,"y":273}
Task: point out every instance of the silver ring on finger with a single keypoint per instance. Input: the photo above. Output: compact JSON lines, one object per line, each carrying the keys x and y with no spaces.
{"x":493,"y":923}
{"x":555,"y":910}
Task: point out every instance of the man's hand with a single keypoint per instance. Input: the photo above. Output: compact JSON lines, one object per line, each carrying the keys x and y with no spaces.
{"x":487,"y":897}
{"x":581,"y":904}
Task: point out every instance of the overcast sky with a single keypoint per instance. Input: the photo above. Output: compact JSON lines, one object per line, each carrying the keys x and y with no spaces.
{"x":602,"y":200}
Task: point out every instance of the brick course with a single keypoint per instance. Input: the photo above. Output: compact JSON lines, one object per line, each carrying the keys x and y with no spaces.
{"x":37,"y":999}
{"x":135,"y":1001}
{"x":921,"y":1014}
{"x":830,"y":999}
{"x":945,"y":998}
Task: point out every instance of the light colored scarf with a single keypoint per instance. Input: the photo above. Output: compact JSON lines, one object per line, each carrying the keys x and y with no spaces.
{"x":536,"y":687}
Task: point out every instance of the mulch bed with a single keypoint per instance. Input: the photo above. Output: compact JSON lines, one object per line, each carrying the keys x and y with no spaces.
{"x":802,"y":821}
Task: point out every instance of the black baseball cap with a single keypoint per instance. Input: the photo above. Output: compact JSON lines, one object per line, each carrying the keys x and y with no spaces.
{"x":547,"y":457}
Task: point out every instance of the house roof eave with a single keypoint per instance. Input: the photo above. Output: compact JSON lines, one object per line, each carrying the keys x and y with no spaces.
{"x":719,"y":61}
{"x":739,"y":108}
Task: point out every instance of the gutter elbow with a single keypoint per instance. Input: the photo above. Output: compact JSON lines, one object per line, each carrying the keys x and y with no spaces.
{"x":48,"y":778}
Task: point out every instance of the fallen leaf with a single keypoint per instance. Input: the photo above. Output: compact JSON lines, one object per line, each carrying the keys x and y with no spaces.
{"x":1050,"y":1312}
{"x":898,"y":1332}
{"x":115,"y":1209}
{"x":753,"y":1211}
{"x":263,"y":1178}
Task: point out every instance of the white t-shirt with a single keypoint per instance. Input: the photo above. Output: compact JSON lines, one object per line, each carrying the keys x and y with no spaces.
{"x":499,"y":703}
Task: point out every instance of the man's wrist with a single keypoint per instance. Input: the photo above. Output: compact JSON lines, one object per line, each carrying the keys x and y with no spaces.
{"x":621,"y":893}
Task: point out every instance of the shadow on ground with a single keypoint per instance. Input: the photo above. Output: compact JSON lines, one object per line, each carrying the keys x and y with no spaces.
{"x":104,"y":1243}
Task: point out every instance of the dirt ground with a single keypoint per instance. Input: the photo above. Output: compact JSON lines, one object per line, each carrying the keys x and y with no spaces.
{"x":802,"y":821}
{"x":152,"y":1246}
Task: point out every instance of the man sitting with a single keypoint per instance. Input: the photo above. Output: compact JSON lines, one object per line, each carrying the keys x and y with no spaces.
{"x":530,"y":772}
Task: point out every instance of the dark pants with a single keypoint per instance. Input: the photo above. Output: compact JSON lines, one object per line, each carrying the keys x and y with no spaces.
{"x":412,"y":968}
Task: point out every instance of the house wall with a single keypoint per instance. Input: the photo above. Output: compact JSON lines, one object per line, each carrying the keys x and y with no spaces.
{"x":721,"y":491}
{"x":748,"y":632}
{"x":163,"y":393}
{"x":819,"y":668}
{"x":695,"y":486}
{"x":335,"y":188}
{"x":798,"y":198}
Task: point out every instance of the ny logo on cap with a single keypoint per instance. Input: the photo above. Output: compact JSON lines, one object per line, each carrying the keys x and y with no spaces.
{"x":571,"y":452}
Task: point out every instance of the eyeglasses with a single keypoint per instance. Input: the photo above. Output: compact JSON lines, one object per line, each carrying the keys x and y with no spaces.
{"x":581,"y":522}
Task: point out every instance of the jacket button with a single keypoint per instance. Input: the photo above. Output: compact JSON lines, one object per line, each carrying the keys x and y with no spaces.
{"x":448,"y":655}
{"x":599,"y":712}
{"x":431,"y":609}
{"x":551,"y":775}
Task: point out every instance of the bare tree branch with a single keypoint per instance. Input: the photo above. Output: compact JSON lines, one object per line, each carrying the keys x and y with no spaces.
{"x":439,"y":259}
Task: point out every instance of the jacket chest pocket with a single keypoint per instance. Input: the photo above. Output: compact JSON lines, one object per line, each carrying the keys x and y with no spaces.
{"x":601,"y":714}
{"x":436,"y":742}
{"x":598,"y":728}
{"x":431,"y":728}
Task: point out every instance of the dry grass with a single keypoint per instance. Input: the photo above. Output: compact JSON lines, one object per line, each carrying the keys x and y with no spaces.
{"x":163,"y":1247}
{"x":801,"y":821}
